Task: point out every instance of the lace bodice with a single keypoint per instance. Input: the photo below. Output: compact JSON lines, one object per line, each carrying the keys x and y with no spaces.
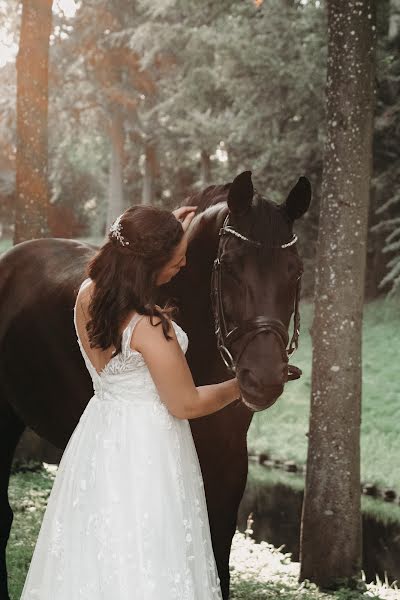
{"x":126,"y":374}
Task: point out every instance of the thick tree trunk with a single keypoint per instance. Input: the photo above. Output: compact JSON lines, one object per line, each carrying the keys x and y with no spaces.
{"x":205,"y":168}
{"x":32,"y":194}
{"x":150,"y":174}
{"x":331,"y":521}
{"x":115,"y":183}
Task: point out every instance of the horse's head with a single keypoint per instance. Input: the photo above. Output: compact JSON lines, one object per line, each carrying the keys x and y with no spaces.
{"x":255,"y":288}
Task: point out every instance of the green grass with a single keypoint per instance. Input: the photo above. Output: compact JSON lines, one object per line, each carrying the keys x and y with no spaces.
{"x":28,"y":494}
{"x":258,"y":571}
{"x":281,"y":430}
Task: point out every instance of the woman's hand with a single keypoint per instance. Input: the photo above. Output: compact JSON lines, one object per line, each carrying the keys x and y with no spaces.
{"x":185,"y":214}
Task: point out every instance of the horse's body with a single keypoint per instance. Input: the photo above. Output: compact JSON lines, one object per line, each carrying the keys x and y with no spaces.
{"x":45,"y":385}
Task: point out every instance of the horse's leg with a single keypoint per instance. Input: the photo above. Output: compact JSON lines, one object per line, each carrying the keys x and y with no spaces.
{"x":223,"y":528}
{"x":224,"y":489}
{"x":11,"y":428}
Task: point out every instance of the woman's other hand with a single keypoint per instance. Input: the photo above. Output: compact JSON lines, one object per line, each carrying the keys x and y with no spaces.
{"x":185,"y":214}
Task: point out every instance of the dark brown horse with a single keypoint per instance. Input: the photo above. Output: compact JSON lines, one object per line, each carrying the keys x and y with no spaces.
{"x":44,"y":383}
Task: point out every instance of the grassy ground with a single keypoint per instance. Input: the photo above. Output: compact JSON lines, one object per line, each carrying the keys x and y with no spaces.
{"x":258,"y":571}
{"x":281,"y":430}
{"x":28,"y":498}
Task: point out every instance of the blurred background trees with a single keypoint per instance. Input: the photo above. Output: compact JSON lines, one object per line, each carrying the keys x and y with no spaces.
{"x":150,"y":101}
{"x":32,"y":187}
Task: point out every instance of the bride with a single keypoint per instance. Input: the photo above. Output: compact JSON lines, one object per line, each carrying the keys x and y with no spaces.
{"x":127,"y":516}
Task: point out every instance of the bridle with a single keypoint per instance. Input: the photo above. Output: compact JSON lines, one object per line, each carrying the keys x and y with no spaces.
{"x":256,"y":324}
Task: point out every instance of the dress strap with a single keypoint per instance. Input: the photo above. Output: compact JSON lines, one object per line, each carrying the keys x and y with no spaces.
{"x":85,"y":282}
{"x":128,"y":331}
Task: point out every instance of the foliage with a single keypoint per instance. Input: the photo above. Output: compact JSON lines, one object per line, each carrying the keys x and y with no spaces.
{"x":387,"y":158}
{"x":213,"y":88}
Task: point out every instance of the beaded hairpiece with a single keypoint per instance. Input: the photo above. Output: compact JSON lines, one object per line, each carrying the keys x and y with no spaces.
{"x":115,"y":231}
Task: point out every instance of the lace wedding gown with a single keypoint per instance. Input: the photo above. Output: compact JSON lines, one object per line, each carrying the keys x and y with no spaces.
{"x":127,"y":516}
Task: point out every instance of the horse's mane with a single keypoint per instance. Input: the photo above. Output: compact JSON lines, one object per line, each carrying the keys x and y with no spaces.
{"x":211,"y":195}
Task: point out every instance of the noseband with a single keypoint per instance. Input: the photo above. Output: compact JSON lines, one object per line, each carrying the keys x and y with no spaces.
{"x":257,"y":324}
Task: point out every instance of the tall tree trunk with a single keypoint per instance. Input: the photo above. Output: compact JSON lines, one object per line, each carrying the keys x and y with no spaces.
{"x":150,"y":174}
{"x":205,"y":162}
{"x":32,"y":193}
{"x":115,"y":182}
{"x":331,"y":520}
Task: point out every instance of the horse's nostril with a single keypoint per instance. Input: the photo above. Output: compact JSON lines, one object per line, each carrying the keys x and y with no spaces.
{"x":253,"y":382}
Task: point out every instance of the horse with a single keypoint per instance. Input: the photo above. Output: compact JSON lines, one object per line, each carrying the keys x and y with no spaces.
{"x":235,"y":299}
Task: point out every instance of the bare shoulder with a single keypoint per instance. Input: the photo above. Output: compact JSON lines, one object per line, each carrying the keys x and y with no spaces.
{"x":147,"y":335}
{"x":83,"y":297}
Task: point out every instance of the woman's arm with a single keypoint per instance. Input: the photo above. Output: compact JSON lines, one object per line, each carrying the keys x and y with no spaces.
{"x":171,"y":374}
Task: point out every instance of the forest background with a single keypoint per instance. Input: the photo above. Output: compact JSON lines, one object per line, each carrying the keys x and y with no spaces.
{"x":152,"y":101}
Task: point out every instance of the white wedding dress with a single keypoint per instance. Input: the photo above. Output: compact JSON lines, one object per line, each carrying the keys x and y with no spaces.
{"x":127,"y":516}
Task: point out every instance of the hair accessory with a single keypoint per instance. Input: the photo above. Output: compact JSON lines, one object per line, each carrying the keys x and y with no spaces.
{"x":115,"y":231}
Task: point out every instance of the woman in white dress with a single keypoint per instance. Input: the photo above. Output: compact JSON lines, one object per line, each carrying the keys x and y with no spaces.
{"x":127,"y":516}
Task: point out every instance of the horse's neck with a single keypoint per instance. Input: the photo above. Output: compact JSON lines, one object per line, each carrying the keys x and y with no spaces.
{"x":204,"y":238}
{"x":192,"y":291}
{"x":191,"y":287}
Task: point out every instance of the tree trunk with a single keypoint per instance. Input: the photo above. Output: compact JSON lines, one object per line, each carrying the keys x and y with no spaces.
{"x":331,"y":520}
{"x":205,"y":168}
{"x":115,"y":183}
{"x":32,"y":193}
{"x":150,"y":174}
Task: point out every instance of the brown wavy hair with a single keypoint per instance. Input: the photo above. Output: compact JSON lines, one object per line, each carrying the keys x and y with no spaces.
{"x":125,"y":275}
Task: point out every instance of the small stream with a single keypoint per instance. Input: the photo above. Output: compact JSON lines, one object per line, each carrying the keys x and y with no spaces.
{"x":276,"y":501}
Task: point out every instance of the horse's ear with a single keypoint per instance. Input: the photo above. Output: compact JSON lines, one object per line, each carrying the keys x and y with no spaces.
{"x":299,"y":199}
{"x":240,"y":194}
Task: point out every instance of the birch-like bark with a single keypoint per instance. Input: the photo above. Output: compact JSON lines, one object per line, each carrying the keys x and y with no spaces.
{"x":331,"y":522}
